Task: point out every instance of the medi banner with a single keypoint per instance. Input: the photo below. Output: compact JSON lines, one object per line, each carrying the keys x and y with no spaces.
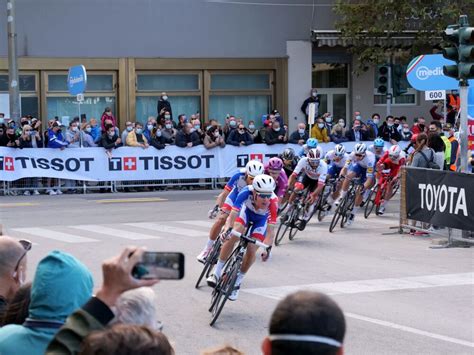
{"x":93,"y":164}
{"x":442,"y":198}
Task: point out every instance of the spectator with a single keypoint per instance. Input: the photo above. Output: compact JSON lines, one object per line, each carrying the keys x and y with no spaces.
{"x":275,"y":134}
{"x":45,"y":133}
{"x":127,"y":130}
{"x":436,"y":127}
{"x":126,"y":339}
{"x":110,"y":140}
{"x":448,"y":131}
{"x":213,"y":138}
{"x":436,"y":143}
{"x":95,"y":130}
{"x":451,"y":113}
{"x":13,"y":267}
{"x":328,"y":121}
{"x":150,"y":126}
{"x":254,"y":132}
{"x":107,"y":115}
{"x":17,"y":310}
{"x":187,"y":137}
{"x":61,"y":285}
{"x":320,"y":132}
{"x":157,"y":139}
{"x":373,"y":126}
{"x":3,"y":135}
{"x":230,"y":125}
{"x":197,"y":128}
{"x":136,"y":138}
{"x":164,"y":106}
{"x":36,"y":125}
{"x":342,"y":122}
{"x":239,"y":137}
{"x":56,"y":139}
{"x":337,"y":134}
{"x":397,"y":124}
{"x":388,"y":131}
{"x":86,"y":133}
{"x":12,"y":136}
{"x":169,"y":132}
{"x":312,"y":99}
{"x":356,"y":134}
{"x":275,"y":115}
{"x":300,"y":136}
{"x":97,"y":312}
{"x":306,"y":323}
{"x":30,"y":139}
{"x":182,"y":120}
{"x":73,"y":136}
{"x":406,"y":134}
{"x":419,"y":126}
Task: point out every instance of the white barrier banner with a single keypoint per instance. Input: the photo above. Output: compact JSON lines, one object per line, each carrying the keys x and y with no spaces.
{"x":126,"y":164}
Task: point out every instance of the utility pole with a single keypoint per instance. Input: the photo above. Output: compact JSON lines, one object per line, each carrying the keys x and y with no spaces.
{"x":390,"y":86}
{"x":13,"y":82}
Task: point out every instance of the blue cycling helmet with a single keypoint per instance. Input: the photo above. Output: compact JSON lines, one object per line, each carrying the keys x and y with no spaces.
{"x":312,"y":143}
{"x":379,"y":142}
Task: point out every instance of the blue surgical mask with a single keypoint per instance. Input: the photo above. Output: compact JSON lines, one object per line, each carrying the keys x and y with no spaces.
{"x":168,"y":126}
{"x":150,"y":127}
{"x":251,"y":126}
{"x":139,"y":131}
{"x":276,"y":129}
{"x":129,"y":128}
{"x":321,"y":125}
{"x":158,"y":133}
{"x":358,"y":117}
{"x":233,"y":123}
{"x":196,"y":126}
{"x":301,"y":130}
{"x":88,"y":129}
{"x":2,"y":120}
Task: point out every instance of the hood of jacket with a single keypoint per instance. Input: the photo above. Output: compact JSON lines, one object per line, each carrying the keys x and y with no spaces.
{"x":61,"y":285}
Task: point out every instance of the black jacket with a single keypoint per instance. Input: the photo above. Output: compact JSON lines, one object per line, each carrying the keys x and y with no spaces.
{"x":158,"y":142}
{"x":350,"y":135}
{"x":235,"y":138}
{"x":295,"y":137}
{"x":164,"y":104}
{"x":271,"y":136}
{"x":387,"y":133}
{"x":306,"y":102}
{"x":182,"y":139}
{"x":29,"y":144}
{"x":109,"y":143}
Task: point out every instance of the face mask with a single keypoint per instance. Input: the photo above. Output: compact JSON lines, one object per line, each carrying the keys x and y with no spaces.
{"x":396,"y":124}
{"x":197,"y":126}
{"x":251,"y":126}
{"x":342,"y":123}
{"x":276,"y":129}
{"x":165,"y":97}
{"x":109,"y":113}
{"x":376,"y":120}
{"x":320,"y":125}
{"x":2,"y":120}
{"x":74,"y":129}
{"x":167,"y":117}
{"x":168,"y":126}
{"x":88,"y":129}
{"x":232,"y":123}
{"x":216,"y":134}
{"x":139,"y":131}
{"x":314,"y":94}
{"x":390,"y":124}
{"x":111,"y":134}
{"x":158,"y":133}
{"x":301,"y":130}
{"x":358,"y":117}
{"x":192,"y":130}
{"x":406,"y":130}
{"x":129,"y":128}
{"x":329,"y":119}
{"x":150,"y":127}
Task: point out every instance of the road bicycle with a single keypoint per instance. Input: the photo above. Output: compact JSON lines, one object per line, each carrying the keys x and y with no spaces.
{"x":376,"y":196}
{"x":226,"y":283}
{"x":211,"y":260}
{"x":345,"y":207}
{"x":329,"y":188}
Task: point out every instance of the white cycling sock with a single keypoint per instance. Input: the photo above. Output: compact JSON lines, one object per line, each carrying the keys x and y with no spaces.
{"x":240,"y":277}
{"x":384,"y":203}
{"x":356,"y":209}
{"x":343,"y":194}
{"x":209,"y":243}
{"x":219,"y":266}
{"x":330,"y":200}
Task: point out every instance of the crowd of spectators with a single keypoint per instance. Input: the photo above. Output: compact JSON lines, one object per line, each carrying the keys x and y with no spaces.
{"x":59,"y":314}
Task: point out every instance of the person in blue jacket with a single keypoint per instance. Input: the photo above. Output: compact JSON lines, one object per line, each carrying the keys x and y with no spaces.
{"x":61,"y":285}
{"x":55,"y":137}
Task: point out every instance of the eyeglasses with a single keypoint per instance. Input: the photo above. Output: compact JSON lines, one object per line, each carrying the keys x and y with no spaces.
{"x":26,"y":244}
{"x":359,"y":155}
{"x":266,"y":196}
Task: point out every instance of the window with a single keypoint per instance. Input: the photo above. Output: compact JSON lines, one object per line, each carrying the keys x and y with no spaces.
{"x":100,"y":93}
{"x":28,"y":83}
{"x":247,"y":95}
{"x":330,"y":75}
{"x":408,"y":95}
{"x":183,"y":90}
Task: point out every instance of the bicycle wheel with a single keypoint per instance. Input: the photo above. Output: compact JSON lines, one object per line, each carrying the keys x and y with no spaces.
{"x":282,"y":229}
{"x":282,"y":208}
{"x":295,"y":217}
{"x":210,"y":261}
{"x":337,"y":215}
{"x":369,"y":207}
{"x":349,"y":206}
{"x":395,"y":190}
{"x":225,"y":289}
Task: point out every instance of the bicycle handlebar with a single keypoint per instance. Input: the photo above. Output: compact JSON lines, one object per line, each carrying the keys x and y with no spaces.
{"x":250,"y":240}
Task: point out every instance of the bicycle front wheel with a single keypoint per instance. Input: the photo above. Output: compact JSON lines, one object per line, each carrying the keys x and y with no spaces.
{"x":336,"y":217}
{"x":370,"y":204}
{"x":211,"y":260}
{"x":348,"y":207}
{"x":282,"y":229}
{"x":224,"y":288}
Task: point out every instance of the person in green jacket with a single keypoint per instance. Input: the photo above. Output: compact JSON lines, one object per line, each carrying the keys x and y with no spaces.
{"x":61,"y":285}
{"x":436,"y":127}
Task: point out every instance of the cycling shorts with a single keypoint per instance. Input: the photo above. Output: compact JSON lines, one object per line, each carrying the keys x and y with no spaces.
{"x":308,"y":182}
{"x":334,"y":170}
{"x":359,"y":171}
{"x":259,"y":227}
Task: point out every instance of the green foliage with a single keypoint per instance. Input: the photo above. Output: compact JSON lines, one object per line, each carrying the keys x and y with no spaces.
{"x":368,"y":21}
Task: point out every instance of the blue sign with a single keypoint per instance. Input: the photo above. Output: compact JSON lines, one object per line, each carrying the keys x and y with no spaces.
{"x":425,"y":72}
{"x":470,"y":103}
{"x":77,"y":80}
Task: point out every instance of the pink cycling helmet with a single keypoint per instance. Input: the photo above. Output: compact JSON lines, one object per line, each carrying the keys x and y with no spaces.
{"x":275,"y":164}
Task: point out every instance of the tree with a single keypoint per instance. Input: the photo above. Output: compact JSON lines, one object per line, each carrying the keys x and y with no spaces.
{"x":373,"y":28}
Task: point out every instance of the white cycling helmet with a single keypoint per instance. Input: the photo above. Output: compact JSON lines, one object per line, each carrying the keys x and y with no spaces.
{"x":314,"y":156}
{"x":360,"y":148}
{"x":394,"y":152}
{"x":339,"y":150}
{"x":254,"y":168}
{"x":264,"y":184}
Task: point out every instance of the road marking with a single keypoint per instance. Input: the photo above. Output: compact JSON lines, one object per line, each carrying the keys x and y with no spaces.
{"x":376,"y":285}
{"x":132,"y":200}
{"x":51,"y":234}
{"x":410,"y":329}
{"x":18,"y":204}
{"x":199,"y":223}
{"x":113,"y":232}
{"x":161,"y":228}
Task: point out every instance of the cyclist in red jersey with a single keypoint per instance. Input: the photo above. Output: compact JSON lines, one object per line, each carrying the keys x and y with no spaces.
{"x":389,"y":166}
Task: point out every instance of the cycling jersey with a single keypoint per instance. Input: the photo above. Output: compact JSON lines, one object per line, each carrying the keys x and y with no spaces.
{"x":371,"y":148}
{"x":319,"y":173}
{"x":363,"y":168}
{"x":392,"y":167}
{"x":330,"y":158}
{"x":289,"y":169}
{"x":303,"y":151}
{"x":281,"y":182}
{"x":244,"y":204}
{"x":235,"y":184}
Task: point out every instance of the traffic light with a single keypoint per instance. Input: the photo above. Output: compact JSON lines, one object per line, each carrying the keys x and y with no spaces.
{"x":451,"y":34}
{"x":399,"y":87}
{"x":466,"y":53}
{"x":382,"y":79}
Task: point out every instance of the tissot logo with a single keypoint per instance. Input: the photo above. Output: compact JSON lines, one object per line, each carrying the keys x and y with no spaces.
{"x":160,"y":163}
{"x":7,"y":164}
{"x":243,"y":159}
{"x":130,"y":163}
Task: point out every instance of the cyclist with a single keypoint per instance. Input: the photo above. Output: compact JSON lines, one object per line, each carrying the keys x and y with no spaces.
{"x":311,"y":143}
{"x":389,"y":166}
{"x":378,"y":148}
{"x":337,"y":160}
{"x":274,"y":168}
{"x":256,"y":203}
{"x":311,"y":173}
{"x":290,"y":160}
{"x":361,"y":165}
{"x":226,"y":199}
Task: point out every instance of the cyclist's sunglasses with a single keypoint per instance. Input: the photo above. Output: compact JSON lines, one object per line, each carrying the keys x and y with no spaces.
{"x":26,"y":244}
{"x":264,"y":195}
{"x":274,"y":172}
{"x":359,"y":155}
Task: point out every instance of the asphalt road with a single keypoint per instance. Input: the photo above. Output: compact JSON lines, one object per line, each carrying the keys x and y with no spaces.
{"x":399,"y":295}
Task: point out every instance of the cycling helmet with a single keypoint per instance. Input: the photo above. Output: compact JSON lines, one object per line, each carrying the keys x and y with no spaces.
{"x":394,"y":152}
{"x":254,"y":168}
{"x":314,"y":156}
{"x":339,"y":150}
{"x":379,"y":143}
{"x":288,"y":154}
{"x":360,"y":148}
{"x":275,"y":164}
{"x":264,"y":184}
{"x":312,"y":143}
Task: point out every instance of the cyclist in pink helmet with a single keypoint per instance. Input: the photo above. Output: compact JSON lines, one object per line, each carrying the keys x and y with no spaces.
{"x":274,"y":168}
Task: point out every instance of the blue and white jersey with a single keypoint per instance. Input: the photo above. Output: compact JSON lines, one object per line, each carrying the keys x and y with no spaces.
{"x":330,"y":158}
{"x":236,"y":181}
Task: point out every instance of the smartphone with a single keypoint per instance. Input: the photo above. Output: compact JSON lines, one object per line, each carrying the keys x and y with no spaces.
{"x":160,"y":265}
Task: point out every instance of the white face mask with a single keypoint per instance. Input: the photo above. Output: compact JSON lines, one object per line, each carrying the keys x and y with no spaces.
{"x":329,"y":119}
{"x":192,"y":130}
{"x":406,"y":130}
{"x":276,"y":129}
{"x":314,"y":94}
{"x":168,"y":126}
{"x":165,"y":97}
{"x":251,"y":126}
{"x":74,"y":129}
{"x":389,"y":124}
{"x":321,"y":125}
{"x":301,"y":130}
{"x":376,"y":120}
{"x":358,"y":117}
{"x":88,"y":129}
{"x":158,"y":133}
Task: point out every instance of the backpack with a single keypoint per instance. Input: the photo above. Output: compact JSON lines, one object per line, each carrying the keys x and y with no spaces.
{"x":430,"y":163}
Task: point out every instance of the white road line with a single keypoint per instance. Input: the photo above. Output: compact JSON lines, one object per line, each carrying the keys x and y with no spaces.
{"x":51,"y":234}
{"x":376,"y":285}
{"x":410,"y":329}
{"x":199,"y":223}
{"x":161,"y":228}
{"x":114,"y":232}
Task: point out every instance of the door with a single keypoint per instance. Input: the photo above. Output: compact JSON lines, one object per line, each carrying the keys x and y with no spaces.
{"x":335,"y":101}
